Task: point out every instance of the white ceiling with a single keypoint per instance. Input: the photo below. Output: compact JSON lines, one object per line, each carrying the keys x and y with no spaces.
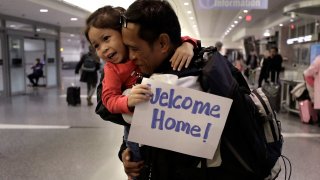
{"x":211,"y":24}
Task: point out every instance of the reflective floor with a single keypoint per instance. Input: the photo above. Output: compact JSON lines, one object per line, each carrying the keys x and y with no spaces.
{"x":42,"y":138}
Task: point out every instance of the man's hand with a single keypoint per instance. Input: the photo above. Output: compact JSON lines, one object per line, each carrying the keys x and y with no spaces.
{"x":131,"y":168}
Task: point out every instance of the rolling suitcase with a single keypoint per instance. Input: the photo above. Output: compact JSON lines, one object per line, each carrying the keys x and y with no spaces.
{"x":273,"y":92}
{"x":307,"y":113}
{"x":73,"y":95}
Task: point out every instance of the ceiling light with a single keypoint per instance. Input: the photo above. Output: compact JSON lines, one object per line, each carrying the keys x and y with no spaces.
{"x":186,"y":4}
{"x":12,"y":25}
{"x":189,"y":12}
{"x":280,"y":25}
{"x":43,"y":10}
{"x":236,"y":22}
{"x":291,"y":20}
{"x":72,"y":35}
{"x":38,"y":30}
{"x":74,"y":19}
{"x":230,"y":29}
{"x":232,"y":25}
{"x":191,"y":18}
{"x":245,"y":11}
{"x":240,"y":17}
{"x":194,"y":25}
{"x":61,"y":49}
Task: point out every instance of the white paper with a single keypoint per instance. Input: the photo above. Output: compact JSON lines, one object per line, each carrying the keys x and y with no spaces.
{"x":175,"y":120}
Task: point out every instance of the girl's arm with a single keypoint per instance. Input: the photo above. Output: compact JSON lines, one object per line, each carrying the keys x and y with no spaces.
{"x":112,"y":97}
{"x":184,"y":53}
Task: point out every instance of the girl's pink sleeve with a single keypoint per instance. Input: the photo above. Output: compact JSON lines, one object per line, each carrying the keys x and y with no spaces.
{"x":112,"y":97}
{"x":190,"y":40}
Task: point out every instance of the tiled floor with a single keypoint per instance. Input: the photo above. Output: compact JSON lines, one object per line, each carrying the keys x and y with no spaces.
{"x":73,"y":143}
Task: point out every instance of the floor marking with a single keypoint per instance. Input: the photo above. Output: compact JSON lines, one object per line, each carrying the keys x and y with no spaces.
{"x":300,"y":135}
{"x":29,"y":126}
{"x":82,"y":96}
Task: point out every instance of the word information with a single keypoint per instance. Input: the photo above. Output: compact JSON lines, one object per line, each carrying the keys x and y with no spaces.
{"x":180,"y":119}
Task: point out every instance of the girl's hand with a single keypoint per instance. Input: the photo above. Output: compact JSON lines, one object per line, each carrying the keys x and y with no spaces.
{"x":139,"y":93}
{"x":182,"y":56}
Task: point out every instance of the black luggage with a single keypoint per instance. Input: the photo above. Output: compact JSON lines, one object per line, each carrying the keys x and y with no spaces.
{"x":73,"y":95}
{"x":273,"y":92}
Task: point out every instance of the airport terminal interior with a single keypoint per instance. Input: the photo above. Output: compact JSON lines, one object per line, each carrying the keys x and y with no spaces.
{"x":44,"y":138}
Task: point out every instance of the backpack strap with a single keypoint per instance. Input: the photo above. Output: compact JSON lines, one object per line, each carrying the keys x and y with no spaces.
{"x":273,"y":131}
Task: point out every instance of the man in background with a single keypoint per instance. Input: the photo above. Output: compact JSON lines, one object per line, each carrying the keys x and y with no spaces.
{"x":219,"y":45}
{"x":36,"y":74}
{"x":275,"y":64}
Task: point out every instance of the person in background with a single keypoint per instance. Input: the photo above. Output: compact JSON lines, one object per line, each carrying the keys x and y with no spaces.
{"x":89,"y":66}
{"x":264,"y":72}
{"x":275,"y":64}
{"x":312,"y":77}
{"x":252,"y":63}
{"x":219,"y":45}
{"x":36,"y":74}
{"x":238,"y":63}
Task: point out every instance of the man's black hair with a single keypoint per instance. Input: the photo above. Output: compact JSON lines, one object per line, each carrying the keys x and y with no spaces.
{"x":155,"y":18}
{"x":275,"y":48}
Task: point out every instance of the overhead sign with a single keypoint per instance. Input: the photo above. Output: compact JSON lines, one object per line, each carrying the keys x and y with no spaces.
{"x":301,"y":39}
{"x":180,"y":119}
{"x":233,"y":4}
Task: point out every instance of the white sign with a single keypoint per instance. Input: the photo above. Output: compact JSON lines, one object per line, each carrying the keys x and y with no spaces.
{"x":180,"y":119}
{"x":233,"y":4}
{"x":300,"y":39}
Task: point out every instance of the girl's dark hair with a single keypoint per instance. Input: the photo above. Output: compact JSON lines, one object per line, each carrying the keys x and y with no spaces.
{"x":104,"y":17}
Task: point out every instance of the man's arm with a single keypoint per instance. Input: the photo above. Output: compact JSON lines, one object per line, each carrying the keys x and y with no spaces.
{"x":131,"y":168}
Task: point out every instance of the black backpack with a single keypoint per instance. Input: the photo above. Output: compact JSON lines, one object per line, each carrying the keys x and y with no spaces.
{"x":102,"y":111}
{"x":89,"y":64}
{"x":251,"y":141}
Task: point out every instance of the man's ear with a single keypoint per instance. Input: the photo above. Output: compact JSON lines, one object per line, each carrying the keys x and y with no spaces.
{"x":164,"y":42}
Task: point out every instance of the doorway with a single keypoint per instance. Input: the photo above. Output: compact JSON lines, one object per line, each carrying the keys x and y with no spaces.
{"x":34,"y":49}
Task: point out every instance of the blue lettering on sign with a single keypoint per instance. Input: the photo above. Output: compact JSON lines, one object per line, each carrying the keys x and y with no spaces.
{"x":187,"y":103}
{"x":159,"y":121}
{"x":233,"y":4}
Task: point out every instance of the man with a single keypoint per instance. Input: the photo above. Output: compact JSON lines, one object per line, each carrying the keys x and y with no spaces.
{"x":252,"y":63}
{"x":275,"y":64}
{"x":151,"y":32}
{"x":219,"y":45}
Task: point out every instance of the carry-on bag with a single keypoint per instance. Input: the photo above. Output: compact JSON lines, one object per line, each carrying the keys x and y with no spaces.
{"x":307,"y":113}
{"x":73,"y":95}
{"x":272,"y":90}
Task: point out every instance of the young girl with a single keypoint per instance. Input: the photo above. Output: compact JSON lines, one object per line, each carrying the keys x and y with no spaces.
{"x":103,"y":31}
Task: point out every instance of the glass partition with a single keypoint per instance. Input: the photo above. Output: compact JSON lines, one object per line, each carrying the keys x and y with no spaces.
{"x":19,"y":26}
{"x":1,"y":67}
{"x":51,"y":65}
{"x":16,"y":60}
{"x":45,"y":30}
